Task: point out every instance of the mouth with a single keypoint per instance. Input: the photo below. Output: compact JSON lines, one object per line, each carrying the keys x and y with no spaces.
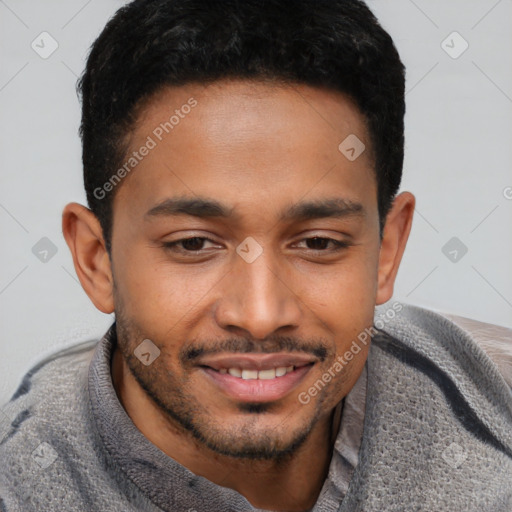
{"x":257,"y":377}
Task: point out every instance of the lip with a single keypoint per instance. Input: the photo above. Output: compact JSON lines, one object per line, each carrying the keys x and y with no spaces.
{"x":256,"y":390}
{"x":256,"y":361}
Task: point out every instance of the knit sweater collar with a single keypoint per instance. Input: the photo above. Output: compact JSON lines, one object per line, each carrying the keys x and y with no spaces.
{"x":170,"y":485}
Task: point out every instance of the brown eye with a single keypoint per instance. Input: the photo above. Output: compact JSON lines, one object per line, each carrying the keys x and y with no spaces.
{"x":193,"y":244}
{"x":324,"y":244}
{"x":318,"y":243}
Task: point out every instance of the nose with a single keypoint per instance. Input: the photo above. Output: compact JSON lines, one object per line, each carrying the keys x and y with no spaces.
{"x":258,"y":299}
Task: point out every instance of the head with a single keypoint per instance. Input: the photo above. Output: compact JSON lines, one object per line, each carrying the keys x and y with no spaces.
{"x":241,"y":164}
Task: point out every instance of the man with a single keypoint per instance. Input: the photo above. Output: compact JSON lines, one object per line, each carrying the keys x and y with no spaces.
{"x":242,"y":162}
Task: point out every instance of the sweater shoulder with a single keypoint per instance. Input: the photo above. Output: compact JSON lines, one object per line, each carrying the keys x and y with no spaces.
{"x":495,"y":340}
{"x":44,"y":425}
{"x":51,"y":394}
{"x":53,"y":374}
{"x":448,"y":356}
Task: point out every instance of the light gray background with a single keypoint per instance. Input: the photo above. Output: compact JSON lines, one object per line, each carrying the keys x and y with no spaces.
{"x":458,"y":164}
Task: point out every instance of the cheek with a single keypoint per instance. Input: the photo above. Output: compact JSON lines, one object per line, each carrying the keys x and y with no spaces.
{"x":159,"y":295}
{"x":343,"y":295}
{"x":344,"y":301}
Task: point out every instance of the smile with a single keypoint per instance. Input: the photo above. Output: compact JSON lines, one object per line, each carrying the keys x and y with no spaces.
{"x":256,"y":377}
{"x":267,"y":374}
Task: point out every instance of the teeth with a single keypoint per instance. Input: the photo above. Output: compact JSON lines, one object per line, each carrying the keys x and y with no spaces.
{"x":249,"y":374}
{"x":236,"y":372}
{"x":270,"y":373}
{"x":281,"y":371}
{"x":267,"y":374}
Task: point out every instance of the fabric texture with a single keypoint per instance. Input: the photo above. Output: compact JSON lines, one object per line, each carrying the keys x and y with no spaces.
{"x":494,"y":339}
{"x":428,"y":427}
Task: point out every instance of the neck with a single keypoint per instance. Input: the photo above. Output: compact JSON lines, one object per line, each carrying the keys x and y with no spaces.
{"x":293,"y":484}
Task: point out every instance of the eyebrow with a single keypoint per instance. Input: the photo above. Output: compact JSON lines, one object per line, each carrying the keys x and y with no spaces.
{"x":331,"y":207}
{"x":210,"y":208}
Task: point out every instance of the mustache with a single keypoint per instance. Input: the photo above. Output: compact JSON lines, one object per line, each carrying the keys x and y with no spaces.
{"x":319,"y":348}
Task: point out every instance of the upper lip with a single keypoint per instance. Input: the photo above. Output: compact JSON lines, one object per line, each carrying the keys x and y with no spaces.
{"x":255,"y":361}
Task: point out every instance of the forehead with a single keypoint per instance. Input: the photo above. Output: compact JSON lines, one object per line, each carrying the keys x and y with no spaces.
{"x":246,"y":142}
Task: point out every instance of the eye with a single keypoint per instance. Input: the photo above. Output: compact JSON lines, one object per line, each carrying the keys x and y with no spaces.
{"x":318,"y":243}
{"x":191,"y":245}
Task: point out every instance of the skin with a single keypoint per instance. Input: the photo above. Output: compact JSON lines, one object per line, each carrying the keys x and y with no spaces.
{"x":258,"y":148}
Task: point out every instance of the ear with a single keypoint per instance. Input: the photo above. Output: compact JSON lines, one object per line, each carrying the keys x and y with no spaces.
{"x":396,"y":233}
{"x":84,"y":237}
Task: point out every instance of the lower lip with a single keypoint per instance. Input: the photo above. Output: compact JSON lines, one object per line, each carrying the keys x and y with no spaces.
{"x":257,"y":390}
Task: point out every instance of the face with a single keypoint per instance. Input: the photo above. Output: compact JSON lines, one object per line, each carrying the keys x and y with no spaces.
{"x":246,"y":249}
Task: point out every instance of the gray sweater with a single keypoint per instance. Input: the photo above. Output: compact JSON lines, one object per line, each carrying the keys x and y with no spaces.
{"x":437,"y":435}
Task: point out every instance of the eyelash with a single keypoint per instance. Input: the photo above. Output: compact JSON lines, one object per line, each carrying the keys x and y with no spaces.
{"x":174,"y":246}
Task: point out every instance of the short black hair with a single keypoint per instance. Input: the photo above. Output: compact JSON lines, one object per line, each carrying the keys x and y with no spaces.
{"x":150,"y":44}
